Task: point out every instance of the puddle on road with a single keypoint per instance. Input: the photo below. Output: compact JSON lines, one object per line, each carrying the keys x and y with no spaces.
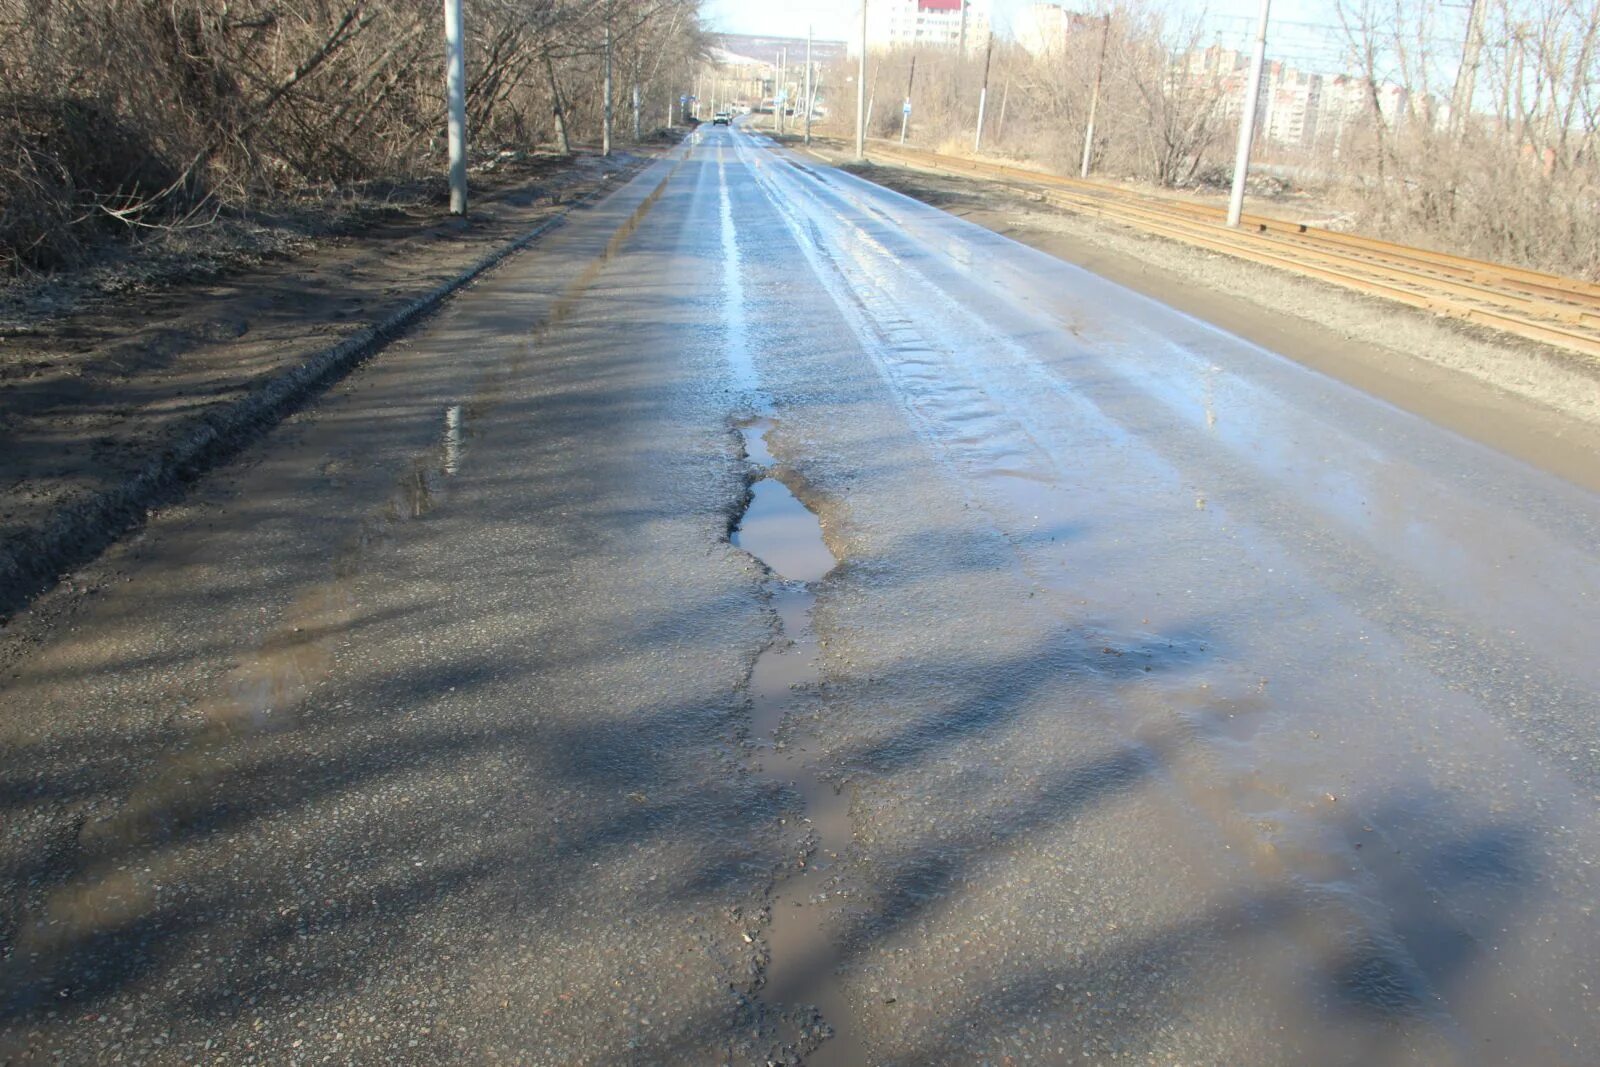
{"x":267,"y":687}
{"x":452,"y":439}
{"x":121,"y":859}
{"x":802,"y":939}
{"x":783,"y":533}
{"x":755,"y":441}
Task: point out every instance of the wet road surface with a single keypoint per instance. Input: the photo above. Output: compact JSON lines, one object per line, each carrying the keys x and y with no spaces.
{"x":1084,"y":685}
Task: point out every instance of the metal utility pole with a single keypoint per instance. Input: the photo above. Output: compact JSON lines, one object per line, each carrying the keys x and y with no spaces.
{"x":1467,"y":73}
{"x":605,"y":132}
{"x":808,"y":83}
{"x":636,"y":114}
{"x":905,"y":111}
{"x":455,"y":84}
{"x":1094,"y":98}
{"x":983,"y":95}
{"x":861,"y":90}
{"x":1247,"y":120}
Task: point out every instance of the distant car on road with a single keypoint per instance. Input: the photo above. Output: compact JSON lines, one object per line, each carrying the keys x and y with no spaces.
{"x":721,"y":118}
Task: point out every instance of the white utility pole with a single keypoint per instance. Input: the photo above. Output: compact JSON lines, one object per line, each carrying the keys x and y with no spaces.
{"x":905,"y":110}
{"x":1247,"y":121}
{"x":983,"y":95}
{"x":455,"y":83}
{"x":808,"y":83}
{"x":1094,"y":99}
{"x":861,"y":90}
{"x":605,"y":131}
{"x":636,"y":119}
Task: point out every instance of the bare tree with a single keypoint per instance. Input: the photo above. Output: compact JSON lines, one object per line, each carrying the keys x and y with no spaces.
{"x":130,"y":113}
{"x":1182,"y":114}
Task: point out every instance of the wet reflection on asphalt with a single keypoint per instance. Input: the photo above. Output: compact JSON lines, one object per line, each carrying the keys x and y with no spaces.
{"x":782,"y":623}
{"x":1282,"y":613}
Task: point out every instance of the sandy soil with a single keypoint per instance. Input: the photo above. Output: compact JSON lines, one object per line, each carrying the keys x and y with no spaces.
{"x":88,"y":398}
{"x":1535,"y":403}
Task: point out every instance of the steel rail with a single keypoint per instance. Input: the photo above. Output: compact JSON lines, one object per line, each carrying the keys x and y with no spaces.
{"x":1518,"y":313}
{"x":1339,"y":260}
{"x":1482,"y":271}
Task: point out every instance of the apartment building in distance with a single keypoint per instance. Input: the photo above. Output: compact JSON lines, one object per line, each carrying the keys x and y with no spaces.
{"x":1297,"y":108}
{"x":1347,"y":100}
{"x":1293,"y":109}
{"x":1043,"y":29}
{"x":925,"y":24}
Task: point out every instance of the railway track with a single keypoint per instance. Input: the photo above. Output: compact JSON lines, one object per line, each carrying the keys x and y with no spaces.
{"x":1547,"y":308}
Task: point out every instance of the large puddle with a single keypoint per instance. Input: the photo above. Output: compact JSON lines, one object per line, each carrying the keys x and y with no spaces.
{"x":802,"y":937}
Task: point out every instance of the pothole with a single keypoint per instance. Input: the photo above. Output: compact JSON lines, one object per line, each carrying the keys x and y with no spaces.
{"x":755,"y":441}
{"x":803,"y":939}
{"x":783,"y":533}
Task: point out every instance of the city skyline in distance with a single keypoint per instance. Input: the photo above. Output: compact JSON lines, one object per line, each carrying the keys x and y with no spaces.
{"x":837,"y":19}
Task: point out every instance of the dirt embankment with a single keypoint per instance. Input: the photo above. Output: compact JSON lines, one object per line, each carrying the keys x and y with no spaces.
{"x":106,"y":410}
{"x":1538,"y":404}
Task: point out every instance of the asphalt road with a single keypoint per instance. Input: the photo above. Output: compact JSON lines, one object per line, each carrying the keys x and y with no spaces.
{"x":1169,"y":702}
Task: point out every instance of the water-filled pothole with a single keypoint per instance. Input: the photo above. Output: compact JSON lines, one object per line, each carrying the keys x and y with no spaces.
{"x":783,"y":533}
{"x":776,"y":527}
{"x":803,"y":941}
{"x":755,"y":441}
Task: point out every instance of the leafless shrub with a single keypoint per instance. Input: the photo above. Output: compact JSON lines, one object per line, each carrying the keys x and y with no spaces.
{"x":1511,"y":171}
{"x":1155,"y":124}
{"x":128,"y":114}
